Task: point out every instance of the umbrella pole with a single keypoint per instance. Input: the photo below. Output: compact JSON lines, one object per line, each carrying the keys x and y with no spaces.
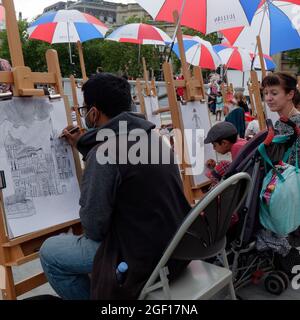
{"x":185,"y":70}
{"x":139,"y":55}
{"x":261,"y":57}
{"x":176,"y":29}
{"x":146,"y":77}
{"x":260,"y":28}
{"x":70,"y":53}
{"x":70,"y":49}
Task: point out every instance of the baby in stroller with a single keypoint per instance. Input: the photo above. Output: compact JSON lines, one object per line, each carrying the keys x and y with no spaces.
{"x":254,"y":250}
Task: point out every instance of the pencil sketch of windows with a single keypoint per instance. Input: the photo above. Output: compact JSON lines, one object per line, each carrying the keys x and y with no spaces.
{"x":35,"y":173}
{"x":42,"y":185}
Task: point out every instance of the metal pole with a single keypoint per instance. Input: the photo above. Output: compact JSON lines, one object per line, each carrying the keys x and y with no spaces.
{"x":70,"y":48}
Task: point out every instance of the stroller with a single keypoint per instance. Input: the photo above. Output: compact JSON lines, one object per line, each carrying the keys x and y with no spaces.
{"x":247,"y":263}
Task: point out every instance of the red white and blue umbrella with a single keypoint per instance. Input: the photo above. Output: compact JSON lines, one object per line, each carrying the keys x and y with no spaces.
{"x":199,"y":52}
{"x":140,"y":33}
{"x":66,"y":26}
{"x":241,"y":59}
{"x":276,"y":22}
{"x":205,"y":16}
{"x":268,"y":62}
{"x":233,"y":57}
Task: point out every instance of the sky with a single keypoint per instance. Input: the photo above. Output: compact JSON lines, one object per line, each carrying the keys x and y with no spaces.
{"x":31,"y":8}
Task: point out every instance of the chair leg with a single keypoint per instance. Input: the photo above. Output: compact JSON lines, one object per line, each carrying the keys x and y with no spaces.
{"x":226,"y":265}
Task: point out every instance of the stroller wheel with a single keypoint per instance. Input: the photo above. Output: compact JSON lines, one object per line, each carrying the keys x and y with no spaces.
{"x":274,"y":284}
{"x":284,"y":277}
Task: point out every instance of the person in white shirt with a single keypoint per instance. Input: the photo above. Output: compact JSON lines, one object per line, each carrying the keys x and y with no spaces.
{"x":252,"y":129}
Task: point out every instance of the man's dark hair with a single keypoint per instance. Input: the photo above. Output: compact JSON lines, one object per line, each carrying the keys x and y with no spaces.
{"x":108,"y":93}
{"x":231,"y":139}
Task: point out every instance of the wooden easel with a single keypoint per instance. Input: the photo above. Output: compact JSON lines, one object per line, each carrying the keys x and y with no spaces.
{"x":254,"y":88}
{"x":194,"y":90}
{"x":255,"y":96}
{"x":23,"y":249}
{"x":76,"y":102}
{"x":82,"y":63}
{"x":144,"y":88}
{"x":74,"y":85}
{"x":261,"y":57}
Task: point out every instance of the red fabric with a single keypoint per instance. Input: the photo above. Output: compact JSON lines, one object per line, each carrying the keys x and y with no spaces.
{"x":44,"y":32}
{"x":206,"y":60}
{"x":218,"y":171}
{"x":235,"y":61}
{"x":147,"y":32}
{"x":93,"y":20}
{"x":193,"y":9}
{"x":248,"y":117}
{"x":180,"y":90}
{"x":237,"y":147}
{"x":232,"y":34}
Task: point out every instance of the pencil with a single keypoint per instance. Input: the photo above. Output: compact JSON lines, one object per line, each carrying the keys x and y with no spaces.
{"x":70,"y":131}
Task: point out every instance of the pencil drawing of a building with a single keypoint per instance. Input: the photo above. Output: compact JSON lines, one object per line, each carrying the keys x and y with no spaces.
{"x":35,"y":173}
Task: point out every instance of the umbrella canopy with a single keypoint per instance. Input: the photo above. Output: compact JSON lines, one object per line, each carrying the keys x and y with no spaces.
{"x":277,"y":23}
{"x":65,"y":26}
{"x":241,"y":59}
{"x":268,"y":62}
{"x":140,"y":33}
{"x":205,"y":16}
{"x":199,"y":52}
{"x":233,"y":57}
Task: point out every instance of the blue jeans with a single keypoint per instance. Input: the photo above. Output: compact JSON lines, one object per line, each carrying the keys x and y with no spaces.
{"x":67,"y":260}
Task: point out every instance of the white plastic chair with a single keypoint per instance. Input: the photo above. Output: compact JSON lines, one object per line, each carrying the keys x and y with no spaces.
{"x":202,"y":235}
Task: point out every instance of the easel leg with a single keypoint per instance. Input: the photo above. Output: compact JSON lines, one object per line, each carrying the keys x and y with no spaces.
{"x":9,"y":293}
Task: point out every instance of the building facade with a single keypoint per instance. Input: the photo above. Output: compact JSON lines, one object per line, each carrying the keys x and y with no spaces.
{"x":126,"y":11}
{"x":105,"y":11}
{"x":283,"y":63}
{"x":61,"y":5}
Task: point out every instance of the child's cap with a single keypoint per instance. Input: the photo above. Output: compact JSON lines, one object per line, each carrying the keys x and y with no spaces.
{"x":220,"y":131}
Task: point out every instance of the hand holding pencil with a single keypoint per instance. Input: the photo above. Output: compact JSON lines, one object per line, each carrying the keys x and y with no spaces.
{"x":71,"y":134}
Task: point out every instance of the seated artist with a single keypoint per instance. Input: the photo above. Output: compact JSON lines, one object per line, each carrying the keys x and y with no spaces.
{"x":129,"y":211}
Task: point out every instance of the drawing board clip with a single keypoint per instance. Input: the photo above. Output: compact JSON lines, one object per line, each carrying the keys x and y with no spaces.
{"x":6,"y":95}
{"x":54,"y":96}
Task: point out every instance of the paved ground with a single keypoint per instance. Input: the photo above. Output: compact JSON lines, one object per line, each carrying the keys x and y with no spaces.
{"x":251,"y":292}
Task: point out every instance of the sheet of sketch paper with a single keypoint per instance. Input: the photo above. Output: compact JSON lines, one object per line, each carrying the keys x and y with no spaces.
{"x":195,"y":116}
{"x":42,"y":187}
{"x":151,"y":105}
